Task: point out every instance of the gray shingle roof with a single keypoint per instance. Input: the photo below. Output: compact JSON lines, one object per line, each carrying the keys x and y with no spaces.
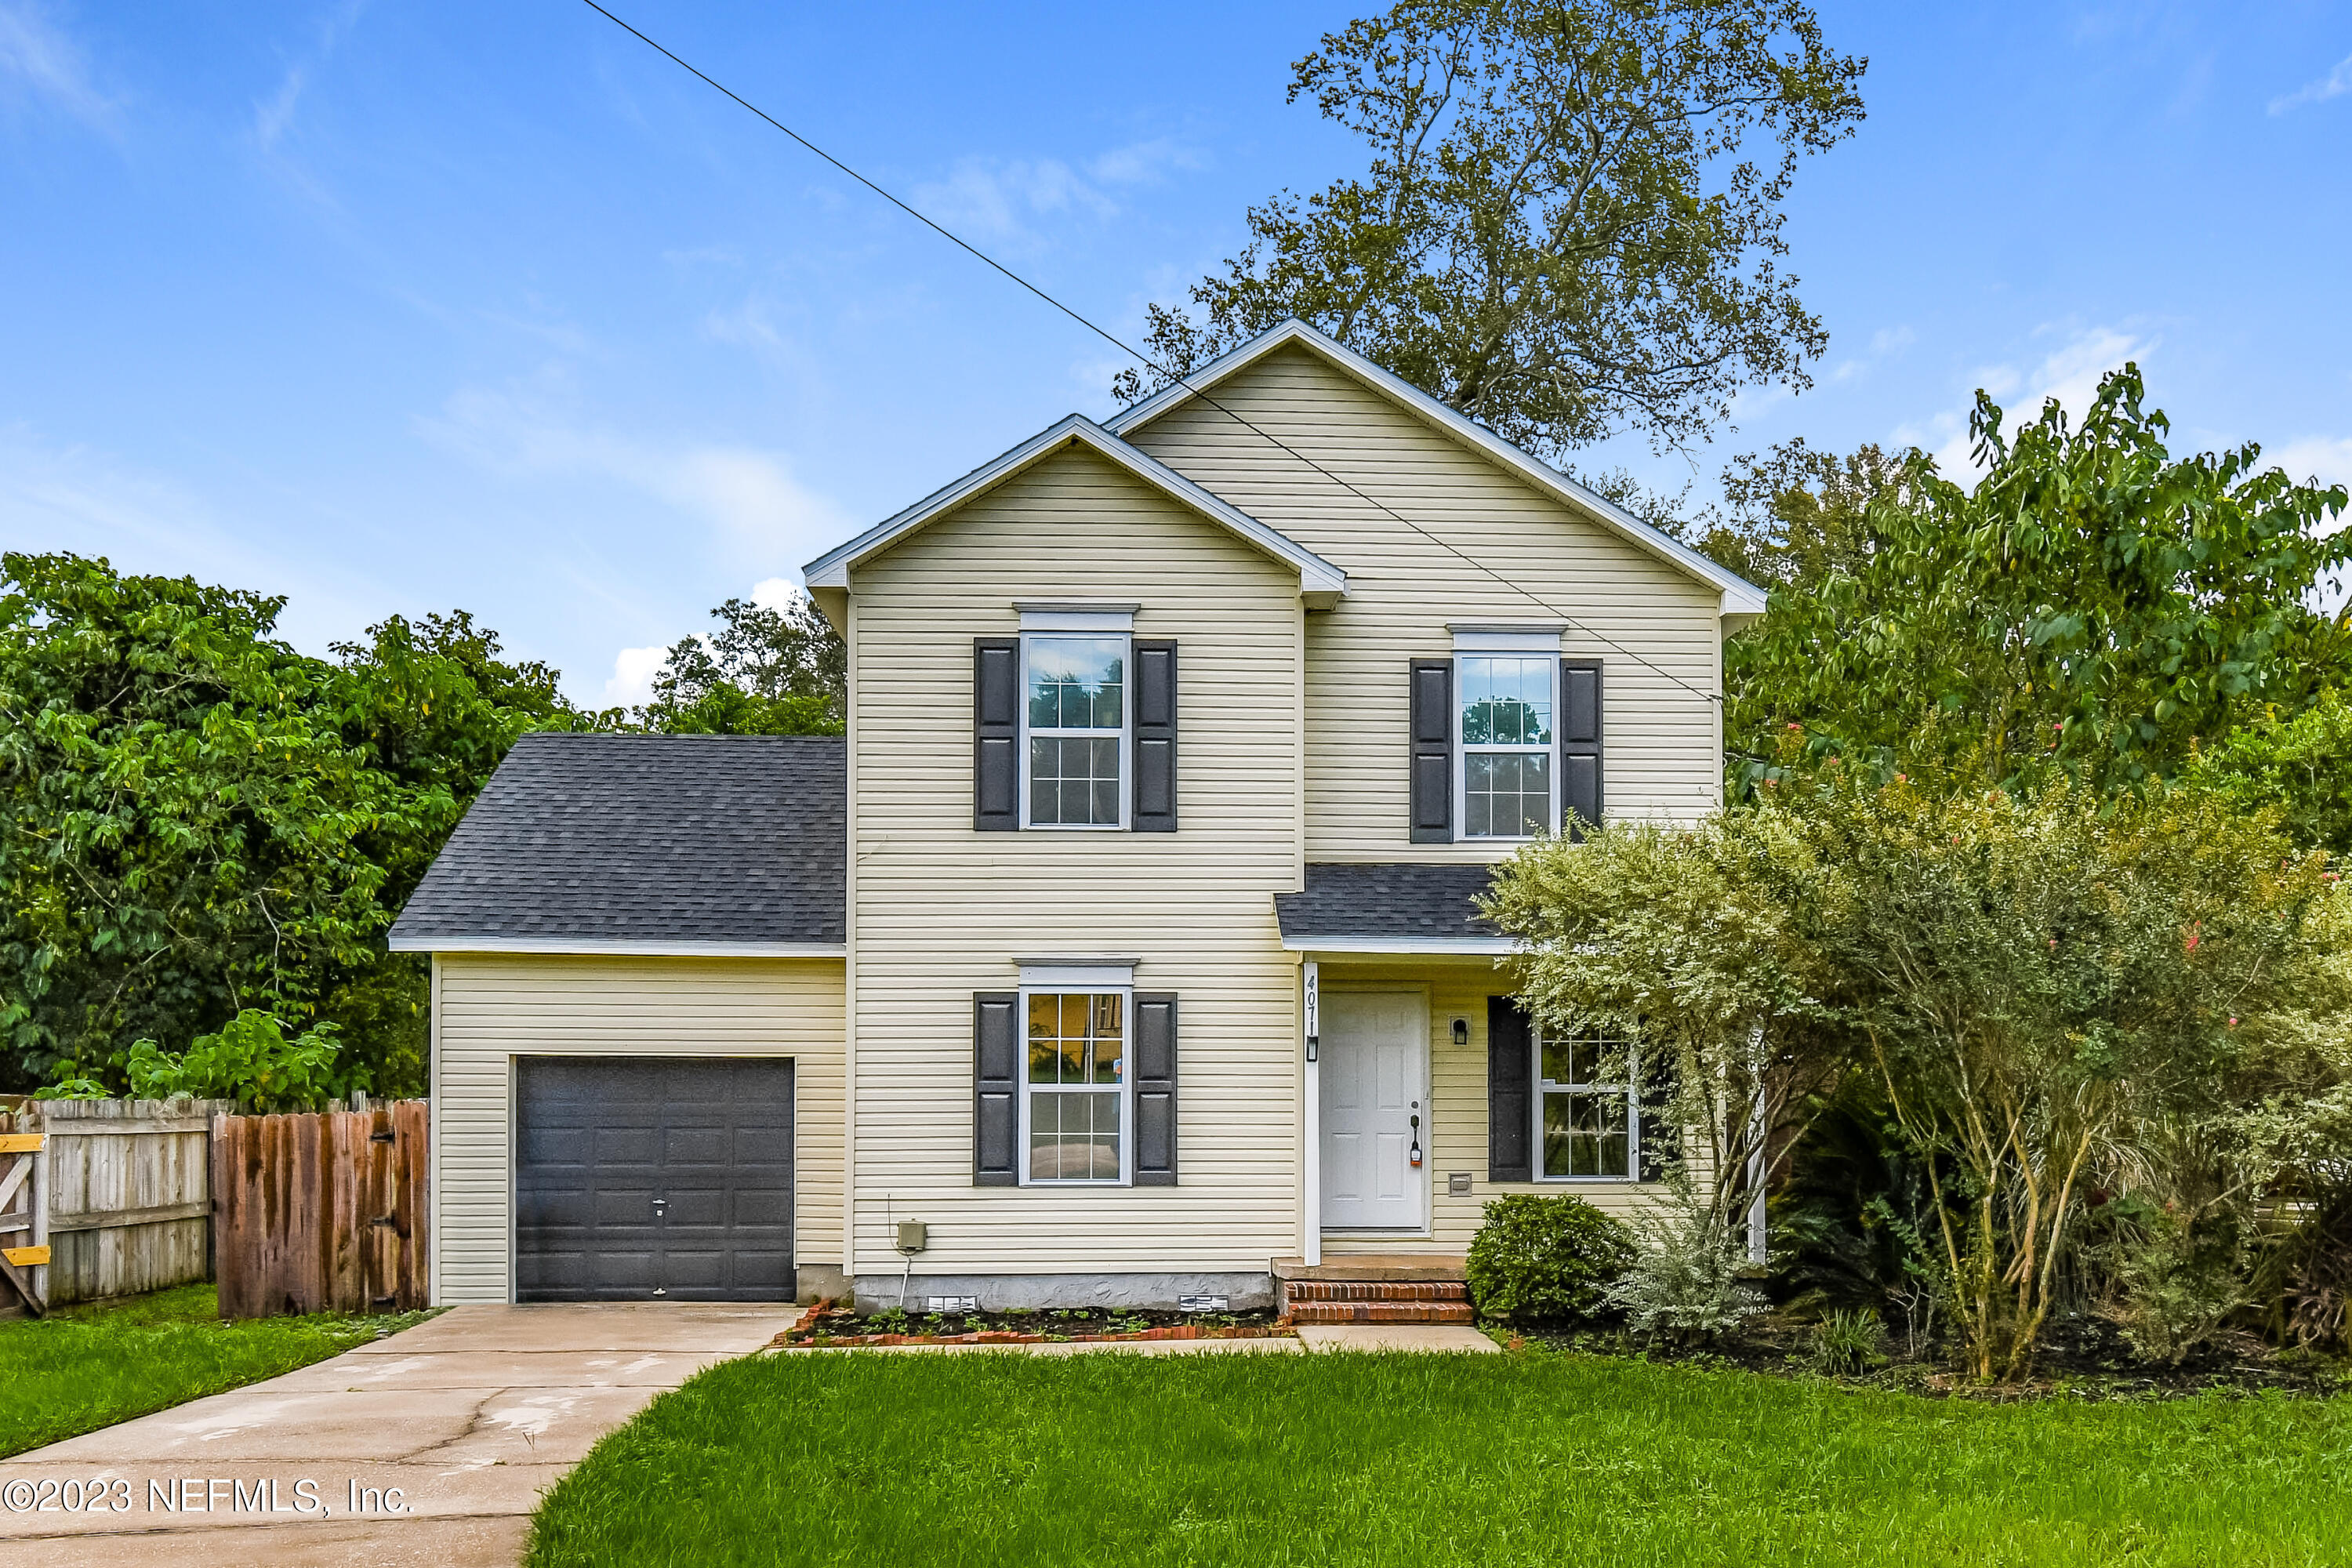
{"x":682,"y":840}
{"x":1388,"y":899}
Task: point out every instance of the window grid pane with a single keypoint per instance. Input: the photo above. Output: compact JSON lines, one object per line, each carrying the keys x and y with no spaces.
{"x":1507,"y":702}
{"x":1589,"y":1128}
{"x":1077,"y":690}
{"x":1507,"y":795}
{"x":1506,"y":738}
{"x":1077,"y":1099}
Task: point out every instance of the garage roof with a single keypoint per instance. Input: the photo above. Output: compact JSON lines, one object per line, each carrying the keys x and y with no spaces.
{"x":720,"y":845}
{"x":1389,"y":907}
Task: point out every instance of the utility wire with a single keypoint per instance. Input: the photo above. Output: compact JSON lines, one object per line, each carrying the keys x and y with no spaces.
{"x":1116,"y":341}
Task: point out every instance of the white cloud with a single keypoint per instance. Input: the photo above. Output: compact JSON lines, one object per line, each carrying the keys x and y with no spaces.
{"x":37,"y":51}
{"x":56,"y":497}
{"x":2335,"y":84}
{"x":999,"y":197}
{"x":2321,"y":458}
{"x":775,"y":592}
{"x":1884,"y":343}
{"x":2070,"y":373}
{"x":634,"y":670}
{"x":274,"y":114}
{"x":747,"y":495}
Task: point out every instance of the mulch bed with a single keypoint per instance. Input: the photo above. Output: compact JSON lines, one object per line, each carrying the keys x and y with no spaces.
{"x":2084,"y":1358}
{"x":826,"y":1326}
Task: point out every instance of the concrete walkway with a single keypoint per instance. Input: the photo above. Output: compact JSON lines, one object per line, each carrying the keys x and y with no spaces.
{"x":469,"y":1416}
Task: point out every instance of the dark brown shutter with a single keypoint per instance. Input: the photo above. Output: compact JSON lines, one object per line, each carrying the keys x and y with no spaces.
{"x":995,"y":1088}
{"x":1155,"y":1088}
{"x":1510,"y":1092}
{"x":1433,"y":750}
{"x":1154,"y":807}
{"x":1579,"y":743}
{"x":996,"y":735}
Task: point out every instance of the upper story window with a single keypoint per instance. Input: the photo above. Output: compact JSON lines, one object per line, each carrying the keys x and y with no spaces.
{"x":1504,"y":739}
{"x":1075,"y":711}
{"x":1074,"y":724}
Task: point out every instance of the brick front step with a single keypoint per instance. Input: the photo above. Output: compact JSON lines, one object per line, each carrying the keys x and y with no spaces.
{"x":1424,"y":1312}
{"x":1376,"y":1290}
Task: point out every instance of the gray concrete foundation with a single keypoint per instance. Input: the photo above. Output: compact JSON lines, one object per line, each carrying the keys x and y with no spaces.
{"x":1009,"y":1292}
{"x":815,"y":1282}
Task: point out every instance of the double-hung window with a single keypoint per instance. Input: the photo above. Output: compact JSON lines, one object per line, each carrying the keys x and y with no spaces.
{"x":1073,"y":1091}
{"x":1588,"y":1119}
{"x":1075,"y":730}
{"x":1507,"y":781}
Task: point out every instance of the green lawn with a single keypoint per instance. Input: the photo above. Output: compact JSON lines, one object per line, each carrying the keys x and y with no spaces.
{"x":86,"y":1367}
{"x":1426,"y":1461}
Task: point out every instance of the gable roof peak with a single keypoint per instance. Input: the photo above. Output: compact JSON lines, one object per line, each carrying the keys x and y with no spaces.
{"x":1319,"y":582}
{"x":1741,"y":598}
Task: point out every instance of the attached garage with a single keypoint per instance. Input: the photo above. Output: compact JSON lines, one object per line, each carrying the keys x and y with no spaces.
{"x":639,"y":1028}
{"x":641,"y":1178}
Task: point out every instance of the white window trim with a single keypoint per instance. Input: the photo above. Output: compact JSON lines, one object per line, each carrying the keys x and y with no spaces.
{"x":1126,"y":993}
{"x":1519,"y":649}
{"x":1088,"y":616}
{"x":1632,"y":1176}
{"x":1126,"y":730}
{"x":1522,"y":637}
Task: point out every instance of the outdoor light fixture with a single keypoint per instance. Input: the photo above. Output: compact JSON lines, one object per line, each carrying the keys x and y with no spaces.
{"x":1461,"y":1031}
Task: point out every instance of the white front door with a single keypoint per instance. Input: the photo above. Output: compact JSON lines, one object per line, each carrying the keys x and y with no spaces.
{"x":1375,"y":1060}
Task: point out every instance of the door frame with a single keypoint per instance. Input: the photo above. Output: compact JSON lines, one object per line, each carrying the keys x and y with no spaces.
{"x":514,"y":1137}
{"x":1420,"y":993}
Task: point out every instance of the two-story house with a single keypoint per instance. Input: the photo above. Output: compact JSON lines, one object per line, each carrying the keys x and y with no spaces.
{"x":1125,"y":943}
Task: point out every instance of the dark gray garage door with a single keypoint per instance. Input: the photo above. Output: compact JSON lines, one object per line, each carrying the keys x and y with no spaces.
{"x":645,"y":1178}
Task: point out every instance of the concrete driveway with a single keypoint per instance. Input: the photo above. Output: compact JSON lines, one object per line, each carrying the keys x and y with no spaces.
{"x":430,"y":1448}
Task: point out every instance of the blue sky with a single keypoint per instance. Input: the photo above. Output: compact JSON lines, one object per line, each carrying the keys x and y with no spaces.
{"x":407,"y":305}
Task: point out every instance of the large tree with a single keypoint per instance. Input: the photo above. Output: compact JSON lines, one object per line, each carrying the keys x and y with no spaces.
{"x":768,"y":670}
{"x":2093,"y":606}
{"x":196,"y":819}
{"x":1572,"y":223}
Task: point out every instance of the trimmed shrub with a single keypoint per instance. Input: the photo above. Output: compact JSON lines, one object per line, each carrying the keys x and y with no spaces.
{"x":1538,"y":1260}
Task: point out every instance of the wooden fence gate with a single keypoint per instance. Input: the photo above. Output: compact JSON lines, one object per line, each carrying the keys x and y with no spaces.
{"x":322,"y":1211}
{"x":24,"y":1229}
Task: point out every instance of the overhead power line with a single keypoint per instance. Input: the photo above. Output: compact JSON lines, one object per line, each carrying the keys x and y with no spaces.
{"x":1124,"y":347}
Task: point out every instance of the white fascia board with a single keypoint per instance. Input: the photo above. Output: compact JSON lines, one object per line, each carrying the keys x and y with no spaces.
{"x":1469,"y":946}
{"x":1316,"y":577}
{"x":591,"y":947}
{"x":1740,"y":598}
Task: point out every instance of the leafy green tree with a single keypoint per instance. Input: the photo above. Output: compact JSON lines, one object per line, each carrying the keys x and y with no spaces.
{"x":1794,"y":517}
{"x":2057,"y":993}
{"x":1691,"y":948}
{"x":2092,"y":607}
{"x":433,"y":707}
{"x":2300,"y":765}
{"x":196,"y":820}
{"x":181,"y":832}
{"x":1571,"y":220}
{"x":765,"y":672}
{"x":249,"y":1061}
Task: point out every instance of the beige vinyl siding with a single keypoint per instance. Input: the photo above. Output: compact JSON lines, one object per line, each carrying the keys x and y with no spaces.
{"x":939,"y":912}
{"x":489,"y":1009}
{"x":1663,"y":744}
{"x":1458,"y":1113}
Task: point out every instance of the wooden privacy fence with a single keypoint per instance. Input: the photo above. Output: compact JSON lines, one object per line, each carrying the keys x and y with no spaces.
{"x":322,"y":1211}
{"x":112,"y":1196}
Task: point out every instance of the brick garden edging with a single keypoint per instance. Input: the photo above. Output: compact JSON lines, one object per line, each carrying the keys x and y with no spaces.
{"x":804,"y":1336}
